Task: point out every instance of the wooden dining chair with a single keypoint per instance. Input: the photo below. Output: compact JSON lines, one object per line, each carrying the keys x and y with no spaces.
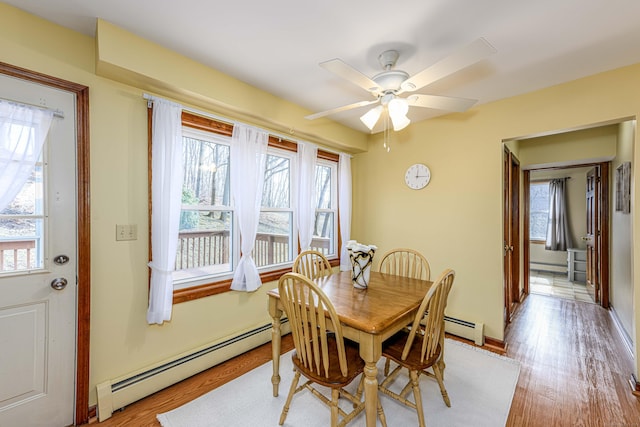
{"x":312,"y":264}
{"x":420,"y":347}
{"x":321,"y":353}
{"x":406,"y":263}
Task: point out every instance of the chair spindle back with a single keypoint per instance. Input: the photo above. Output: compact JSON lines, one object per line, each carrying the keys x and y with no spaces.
{"x":429,"y":320}
{"x":312,"y":264}
{"x":312,"y":318}
{"x":405,"y":263}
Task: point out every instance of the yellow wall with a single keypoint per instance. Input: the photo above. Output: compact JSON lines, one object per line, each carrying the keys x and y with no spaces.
{"x":575,"y":147}
{"x":456,"y":221}
{"x":622,"y":286}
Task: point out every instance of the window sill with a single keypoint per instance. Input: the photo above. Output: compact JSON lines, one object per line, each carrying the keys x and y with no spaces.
{"x":201,"y":291}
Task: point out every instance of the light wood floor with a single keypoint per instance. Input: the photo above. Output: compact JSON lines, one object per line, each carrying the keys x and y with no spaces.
{"x":558,"y":285}
{"x":575,"y":368}
{"x":574,"y":371}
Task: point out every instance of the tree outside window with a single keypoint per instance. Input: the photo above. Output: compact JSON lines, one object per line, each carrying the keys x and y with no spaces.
{"x":209,"y":240}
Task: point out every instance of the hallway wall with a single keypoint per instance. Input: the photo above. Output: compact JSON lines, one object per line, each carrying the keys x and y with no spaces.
{"x":621,"y":293}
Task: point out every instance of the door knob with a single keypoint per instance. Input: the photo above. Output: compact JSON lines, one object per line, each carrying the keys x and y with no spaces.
{"x":59,"y":283}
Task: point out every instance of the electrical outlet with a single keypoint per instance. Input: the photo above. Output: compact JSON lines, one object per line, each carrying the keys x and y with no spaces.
{"x":126,"y":232}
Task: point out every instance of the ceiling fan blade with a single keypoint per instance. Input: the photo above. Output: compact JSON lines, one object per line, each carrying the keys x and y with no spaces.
{"x":347,"y":72}
{"x":339,"y":109}
{"x":464,"y":57}
{"x":441,"y":102}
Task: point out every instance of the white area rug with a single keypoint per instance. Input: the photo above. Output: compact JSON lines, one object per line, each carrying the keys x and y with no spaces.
{"x":480,"y":385}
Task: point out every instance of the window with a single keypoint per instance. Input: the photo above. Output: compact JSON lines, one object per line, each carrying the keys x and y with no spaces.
{"x":22,"y":218}
{"x":325,"y":225}
{"x":205,"y":239}
{"x":539,"y":210}
{"x":22,"y":225}
{"x":274,"y":240}
{"x":208,"y":248}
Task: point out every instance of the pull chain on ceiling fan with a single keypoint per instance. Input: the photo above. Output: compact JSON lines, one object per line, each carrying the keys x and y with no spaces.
{"x":386,"y":86}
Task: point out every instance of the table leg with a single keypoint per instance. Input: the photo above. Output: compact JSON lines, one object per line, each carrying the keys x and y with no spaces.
{"x":276,"y":337}
{"x":370,"y":351}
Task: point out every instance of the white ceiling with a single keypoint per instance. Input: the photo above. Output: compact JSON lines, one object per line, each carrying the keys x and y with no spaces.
{"x":277,"y":45}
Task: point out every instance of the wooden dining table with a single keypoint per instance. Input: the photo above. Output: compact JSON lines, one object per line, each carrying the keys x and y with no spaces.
{"x":368,"y":317}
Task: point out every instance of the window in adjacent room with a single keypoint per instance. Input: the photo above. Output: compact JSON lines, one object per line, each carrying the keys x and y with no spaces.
{"x":539,"y":210}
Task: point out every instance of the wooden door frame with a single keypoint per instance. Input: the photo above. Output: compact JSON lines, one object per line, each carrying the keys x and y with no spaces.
{"x":526,"y":237}
{"x":83,"y":308}
{"x":604,"y":214}
{"x":516,"y":295}
{"x":511,"y":233}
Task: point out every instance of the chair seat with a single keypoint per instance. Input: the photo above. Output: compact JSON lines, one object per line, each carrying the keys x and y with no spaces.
{"x":355,"y":366}
{"x":394,"y":346}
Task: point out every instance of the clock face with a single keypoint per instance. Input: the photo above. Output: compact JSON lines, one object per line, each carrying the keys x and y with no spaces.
{"x":417,"y":176}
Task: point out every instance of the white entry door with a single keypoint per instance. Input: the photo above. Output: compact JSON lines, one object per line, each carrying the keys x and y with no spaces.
{"x":38,"y":255}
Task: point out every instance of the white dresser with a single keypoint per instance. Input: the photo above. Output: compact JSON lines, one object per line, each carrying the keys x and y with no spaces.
{"x":577,"y":265}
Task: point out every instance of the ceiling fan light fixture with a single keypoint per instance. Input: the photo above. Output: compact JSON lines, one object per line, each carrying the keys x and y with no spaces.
{"x":370,"y":118}
{"x":398,"y":107}
{"x":400,"y":122}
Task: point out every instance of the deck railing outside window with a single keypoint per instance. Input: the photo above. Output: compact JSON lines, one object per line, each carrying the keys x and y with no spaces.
{"x":204,"y":248}
{"x":17,"y":254}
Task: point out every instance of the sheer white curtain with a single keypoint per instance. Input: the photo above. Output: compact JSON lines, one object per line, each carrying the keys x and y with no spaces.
{"x":23,"y":130}
{"x":248,"y":158}
{"x":558,"y":237}
{"x":166,"y":193}
{"x":344,"y":200}
{"x":307,"y":155}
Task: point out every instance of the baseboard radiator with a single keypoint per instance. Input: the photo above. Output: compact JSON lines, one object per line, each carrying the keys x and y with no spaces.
{"x":119,"y":392}
{"x":548,"y":267}
{"x":464,"y":329}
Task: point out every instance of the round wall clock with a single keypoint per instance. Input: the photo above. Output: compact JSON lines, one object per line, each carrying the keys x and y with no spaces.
{"x":417,"y":176}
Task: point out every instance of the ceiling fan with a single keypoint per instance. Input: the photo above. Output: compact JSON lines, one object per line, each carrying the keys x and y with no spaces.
{"x":386,"y":86}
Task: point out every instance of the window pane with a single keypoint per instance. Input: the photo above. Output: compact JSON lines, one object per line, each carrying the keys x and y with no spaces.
{"x":276,"y":190}
{"x":21,"y":244}
{"x":21,"y":233}
{"x":323,"y":233}
{"x":204,"y":243}
{"x":323,"y":187}
{"x":206,"y":173}
{"x":273,"y":241}
{"x":29,"y":200}
{"x":539,"y":208}
{"x":538,"y":226}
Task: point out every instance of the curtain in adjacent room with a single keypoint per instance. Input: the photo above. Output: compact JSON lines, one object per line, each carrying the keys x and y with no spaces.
{"x":307,"y":156}
{"x":344,"y":207}
{"x":166,"y":193}
{"x":248,"y":156}
{"x":23,"y":130}
{"x":558,"y":238}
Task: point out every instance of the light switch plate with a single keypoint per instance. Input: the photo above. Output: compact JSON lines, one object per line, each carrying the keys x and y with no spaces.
{"x":126,"y":232}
